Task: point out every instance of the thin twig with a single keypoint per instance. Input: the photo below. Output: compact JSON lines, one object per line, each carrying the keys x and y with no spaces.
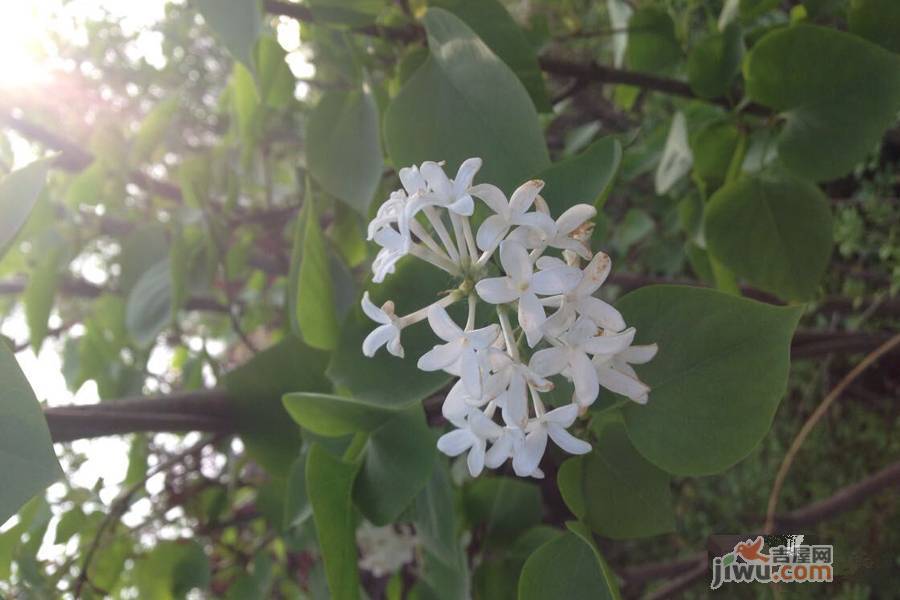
{"x":811,"y":422}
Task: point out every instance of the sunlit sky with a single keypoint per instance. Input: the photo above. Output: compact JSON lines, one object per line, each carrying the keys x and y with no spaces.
{"x":27,"y":60}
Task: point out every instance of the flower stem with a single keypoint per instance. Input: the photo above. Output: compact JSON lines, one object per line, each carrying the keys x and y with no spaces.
{"x":511,"y":347}
{"x":421,"y":314}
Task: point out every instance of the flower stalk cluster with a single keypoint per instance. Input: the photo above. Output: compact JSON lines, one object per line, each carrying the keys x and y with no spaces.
{"x":547,"y":279}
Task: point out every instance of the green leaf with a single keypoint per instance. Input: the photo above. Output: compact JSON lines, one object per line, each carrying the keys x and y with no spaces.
{"x":257,"y":388}
{"x":144,"y":247}
{"x":713,"y":147}
{"x":329,"y":482}
{"x":149,"y":308}
{"x":344,"y":147}
{"x":297,"y":509}
{"x":153,"y":129}
{"x":402,"y":451}
{"x":40,"y":294}
{"x":504,"y":506}
{"x":335,"y":416}
{"x":316,"y":315}
{"x":838,"y":94}
{"x":715,"y":61}
{"x":171,"y":570}
{"x":463,"y":102}
{"x":276,"y":82}
{"x":564,"y":567}
{"x":615,"y":490}
{"x":774,"y":231}
{"x":237,"y":23}
{"x":18,"y":193}
{"x":498,"y":30}
{"x":385,"y":379}
{"x":720,"y":372}
{"x":435,"y":516}
{"x":583,"y":179}
{"x":27,"y":461}
{"x":877,"y":21}
{"x":652,"y":44}
{"x":245,"y":103}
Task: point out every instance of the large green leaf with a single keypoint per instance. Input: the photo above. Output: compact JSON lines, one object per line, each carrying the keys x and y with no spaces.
{"x":27,"y":461}
{"x":18,"y":192}
{"x":652,"y":44}
{"x":149,"y":308}
{"x":258,"y":387}
{"x":236,"y":22}
{"x":565,"y":567}
{"x":838,"y":94}
{"x":495,"y":26}
{"x":715,"y":61}
{"x":385,"y":379}
{"x":774,"y":231}
{"x":463,"y":102}
{"x":329,"y":483}
{"x":504,"y":506}
{"x":335,"y":416}
{"x":316,"y":314}
{"x":402,"y":452}
{"x":615,"y":490}
{"x":877,"y":21}
{"x":171,"y":570}
{"x":583,"y":179}
{"x":720,"y":372}
{"x":344,"y":146}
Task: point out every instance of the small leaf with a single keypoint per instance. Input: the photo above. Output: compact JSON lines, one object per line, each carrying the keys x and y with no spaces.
{"x":774,"y":231}
{"x":464,"y":102}
{"x":149,"y":308}
{"x":316,"y":315}
{"x":27,"y":461}
{"x":18,"y":193}
{"x":583,"y":179}
{"x":329,"y":482}
{"x":40,"y":294}
{"x":344,"y":146}
{"x":506,"y":507}
{"x":335,"y":416}
{"x":716,"y":381}
{"x":153,"y":129}
{"x":838,"y":94}
{"x":565,"y":567}
{"x":715,"y":61}
{"x":652,"y":45}
{"x":171,"y":570}
{"x":237,"y":23}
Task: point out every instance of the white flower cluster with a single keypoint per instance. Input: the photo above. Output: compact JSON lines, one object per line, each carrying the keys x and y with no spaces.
{"x":586,"y":340}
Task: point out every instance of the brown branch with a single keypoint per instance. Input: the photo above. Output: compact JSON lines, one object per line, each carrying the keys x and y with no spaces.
{"x":209,"y":410}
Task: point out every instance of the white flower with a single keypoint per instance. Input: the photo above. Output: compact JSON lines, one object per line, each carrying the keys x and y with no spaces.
{"x":580,"y":299}
{"x":385,"y":334}
{"x":572,"y":357}
{"x":521,"y":283}
{"x":515,"y":212}
{"x":614,"y":371}
{"x":509,"y":388}
{"x":434,"y":188}
{"x":459,"y":354}
{"x":472,"y":435}
{"x":458,"y":402}
{"x":384,"y":550}
{"x":554,"y":425}
{"x":393,"y":247}
{"x":561,"y":236}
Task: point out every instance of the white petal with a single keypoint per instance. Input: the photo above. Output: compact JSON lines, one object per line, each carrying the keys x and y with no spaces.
{"x":471,"y":372}
{"x":524,"y":196}
{"x":475,"y":459}
{"x":484,"y":337}
{"x":515,"y":408}
{"x":595,"y":273}
{"x":465,"y":174}
{"x":610,"y":344}
{"x":501,"y":450}
{"x":482,"y":426}
{"x":395,"y":348}
{"x":563,"y":416}
{"x":528,"y":237}
{"x":549,"y":361}
{"x":572,"y":245}
{"x":529,"y":456}
{"x":491,"y":232}
{"x":574,"y":217}
{"x":437,"y":179}
{"x":442,"y":324}
{"x":538,"y":222}
{"x":373,"y":312}
{"x":497,"y":290}
{"x":516,"y":262}
{"x":556,"y":280}
{"x":463,"y":205}
{"x":456,"y":442}
{"x":620,"y":383}
{"x":638,"y":355}
{"x":380,"y":336}
{"x":531,"y":318}
{"x":492,"y":196}
{"x":561,"y":320}
{"x":601,"y":313}
{"x":455,"y":406}
{"x":441,"y":356}
{"x":550,"y":262}
{"x":390,"y":239}
{"x":567,"y":441}
{"x":412,"y":180}
{"x":584,"y":376}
